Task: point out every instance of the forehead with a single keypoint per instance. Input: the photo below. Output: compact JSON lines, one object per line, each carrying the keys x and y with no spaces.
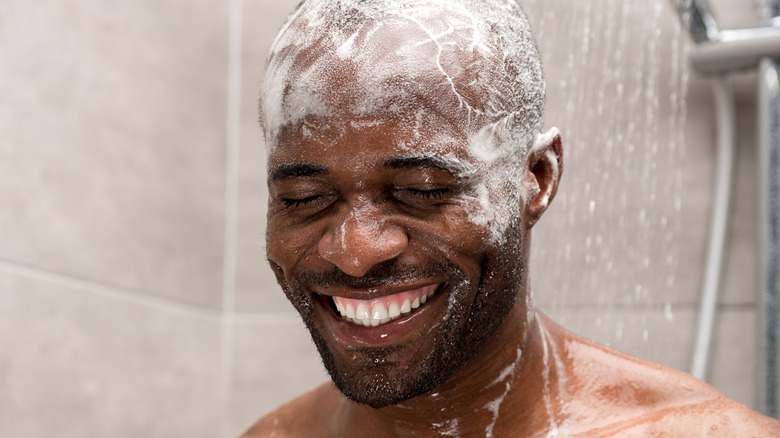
{"x":370,"y":142}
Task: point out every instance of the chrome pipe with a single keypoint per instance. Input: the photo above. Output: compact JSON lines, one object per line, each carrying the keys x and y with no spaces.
{"x":726,"y":123}
{"x":737,"y":49}
{"x":768,"y":158}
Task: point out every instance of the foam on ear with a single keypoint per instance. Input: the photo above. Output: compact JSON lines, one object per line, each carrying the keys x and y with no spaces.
{"x":539,"y":147}
{"x":543,"y":139}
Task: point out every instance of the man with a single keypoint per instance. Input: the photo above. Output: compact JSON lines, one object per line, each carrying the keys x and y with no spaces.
{"x":406,"y":170}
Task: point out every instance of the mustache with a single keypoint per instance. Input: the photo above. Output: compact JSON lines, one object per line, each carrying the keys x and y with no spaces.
{"x":380,"y":275}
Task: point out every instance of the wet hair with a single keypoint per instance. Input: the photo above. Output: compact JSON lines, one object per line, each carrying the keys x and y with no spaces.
{"x":507,"y":95}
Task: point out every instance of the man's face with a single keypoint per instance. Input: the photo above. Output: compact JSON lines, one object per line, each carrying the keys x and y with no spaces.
{"x":367,"y":219}
{"x":395,"y":223}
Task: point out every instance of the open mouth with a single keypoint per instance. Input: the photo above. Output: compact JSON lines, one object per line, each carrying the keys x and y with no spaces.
{"x":382,"y":310}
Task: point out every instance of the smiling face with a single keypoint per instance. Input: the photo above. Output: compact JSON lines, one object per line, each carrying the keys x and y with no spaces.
{"x":397,"y":216}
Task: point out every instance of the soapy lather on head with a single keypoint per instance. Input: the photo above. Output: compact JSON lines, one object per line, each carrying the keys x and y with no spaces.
{"x":454,"y":63}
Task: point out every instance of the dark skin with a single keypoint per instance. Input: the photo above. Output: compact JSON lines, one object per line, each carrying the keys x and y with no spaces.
{"x":355,"y":196}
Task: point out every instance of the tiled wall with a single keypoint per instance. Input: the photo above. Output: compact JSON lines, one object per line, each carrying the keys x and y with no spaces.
{"x":112,"y":199}
{"x":135,"y":299}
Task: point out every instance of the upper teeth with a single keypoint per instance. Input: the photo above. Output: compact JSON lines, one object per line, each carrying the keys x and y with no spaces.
{"x":372,"y":313}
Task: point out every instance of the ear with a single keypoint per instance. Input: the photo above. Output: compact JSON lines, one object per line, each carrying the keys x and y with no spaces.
{"x":543,"y":169}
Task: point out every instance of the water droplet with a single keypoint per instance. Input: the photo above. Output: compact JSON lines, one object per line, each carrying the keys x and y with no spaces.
{"x":668,"y":314}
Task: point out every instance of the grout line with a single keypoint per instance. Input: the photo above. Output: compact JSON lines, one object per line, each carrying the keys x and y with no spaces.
{"x":140,"y":298}
{"x":235,"y":34}
{"x":263,"y":318}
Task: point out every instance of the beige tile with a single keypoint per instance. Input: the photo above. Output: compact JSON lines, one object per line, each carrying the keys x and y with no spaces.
{"x":631,"y":221}
{"x":256,"y":287}
{"x":274,"y":362}
{"x":79,"y":363}
{"x":613,"y":233}
{"x":113,"y":142}
{"x":741,"y":277}
{"x":734,"y":360}
{"x":734,"y":13}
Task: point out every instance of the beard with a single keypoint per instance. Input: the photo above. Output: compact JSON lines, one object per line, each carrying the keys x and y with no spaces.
{"x":382,"y":376}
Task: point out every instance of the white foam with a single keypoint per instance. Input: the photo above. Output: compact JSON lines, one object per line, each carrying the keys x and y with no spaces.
{"x":345,"y":50}
{"x":494,"y":406}
{"x":560,"y":377}
{"x":448,"y":428}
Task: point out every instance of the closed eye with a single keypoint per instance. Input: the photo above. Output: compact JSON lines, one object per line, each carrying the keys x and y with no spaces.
{"x":432,"y":194}
{"x":295,"y":203}
{"x":423,"y":196}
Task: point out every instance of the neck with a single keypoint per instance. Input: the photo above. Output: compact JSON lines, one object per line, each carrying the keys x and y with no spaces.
{"x":509,"y":386}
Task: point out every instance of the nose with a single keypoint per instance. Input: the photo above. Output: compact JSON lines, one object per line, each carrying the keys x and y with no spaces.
{"x":362,"y":239}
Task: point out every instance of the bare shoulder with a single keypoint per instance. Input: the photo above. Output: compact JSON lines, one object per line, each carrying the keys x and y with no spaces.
{"x":614,"y":394}
{"x":306,"y":415}
{"x":718,"y":417}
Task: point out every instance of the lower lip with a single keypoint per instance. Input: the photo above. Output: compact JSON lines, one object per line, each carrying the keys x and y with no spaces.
{"x":393,"y":332}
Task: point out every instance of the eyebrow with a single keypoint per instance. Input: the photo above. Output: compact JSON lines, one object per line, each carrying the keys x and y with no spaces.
{"x":287,"y":171}
{"x":448,"y":165}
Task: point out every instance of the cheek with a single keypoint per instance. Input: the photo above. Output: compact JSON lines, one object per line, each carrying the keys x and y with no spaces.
{"x":285,"y":244}
{"x":495,"y":204}
{"x":484,"y":213}
{"x":454,"y":233}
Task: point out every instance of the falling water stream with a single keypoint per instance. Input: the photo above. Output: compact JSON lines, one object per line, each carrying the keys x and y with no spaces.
{"x":608,"y":252}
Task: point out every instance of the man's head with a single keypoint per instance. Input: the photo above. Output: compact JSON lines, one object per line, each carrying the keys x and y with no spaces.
{"x":404,"y":160}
